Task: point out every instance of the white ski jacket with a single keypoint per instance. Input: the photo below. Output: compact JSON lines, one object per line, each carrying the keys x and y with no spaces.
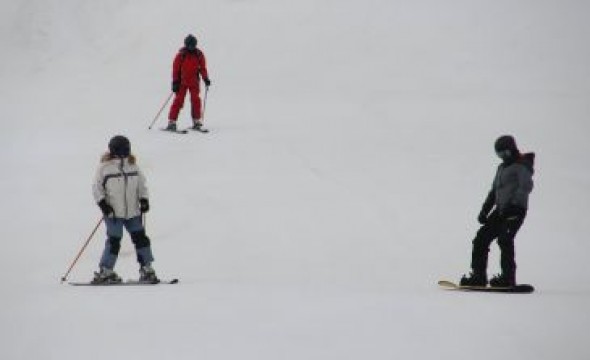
{"x":122,"y":184}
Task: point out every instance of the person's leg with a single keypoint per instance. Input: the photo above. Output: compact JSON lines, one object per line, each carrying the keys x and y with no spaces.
{"x":142,"y":243}
{"x":481,"y":244}
{"x":113,"y":243}
{"x":177,"y":104}
{"x":506,"y":237}
{"x":195,"y":105}
{"x":106,"y":274}
{"x":480,"y":251}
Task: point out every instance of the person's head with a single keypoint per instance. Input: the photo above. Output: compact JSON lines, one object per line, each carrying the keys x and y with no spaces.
{"x":190,"y":42}
{"x":506,"y":148}
{"x":119,"y":147}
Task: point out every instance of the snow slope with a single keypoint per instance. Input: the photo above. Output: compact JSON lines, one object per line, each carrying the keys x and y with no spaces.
{"x":349,"y":153}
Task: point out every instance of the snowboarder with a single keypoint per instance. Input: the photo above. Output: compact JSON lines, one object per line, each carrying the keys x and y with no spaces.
{"x":187,"y":69}
{"x":120,"y":191}
{"x":508,"y":199}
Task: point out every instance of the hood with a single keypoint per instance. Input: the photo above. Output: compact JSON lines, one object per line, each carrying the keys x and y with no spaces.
{"x":528,"y":160}
{"x":108,"y":157}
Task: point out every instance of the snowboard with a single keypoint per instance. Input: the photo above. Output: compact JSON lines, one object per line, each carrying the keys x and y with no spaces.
{"x":126,"y":283}
{"x":517,"y":289}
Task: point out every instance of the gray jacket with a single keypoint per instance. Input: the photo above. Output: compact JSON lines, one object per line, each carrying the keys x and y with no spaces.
{"x":512,"y":185}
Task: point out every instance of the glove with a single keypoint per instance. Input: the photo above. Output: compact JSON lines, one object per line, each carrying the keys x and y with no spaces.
{"x":482,"y":217}
{"x":105,"y":208}
{"x":175,"y":86}
{"x":144,"y":205}
{"x":207,"y":82}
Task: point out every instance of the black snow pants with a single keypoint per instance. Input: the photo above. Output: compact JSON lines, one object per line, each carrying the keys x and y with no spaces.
{"x":504,"y":229}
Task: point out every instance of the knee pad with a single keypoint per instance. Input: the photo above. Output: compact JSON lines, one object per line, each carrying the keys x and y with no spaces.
{"x":114,"y":245}
{"x":140,"y":239}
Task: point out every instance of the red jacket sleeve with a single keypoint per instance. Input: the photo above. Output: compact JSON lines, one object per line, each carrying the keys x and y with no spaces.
{"x":176,"y":67}
{"x":203,"y":66}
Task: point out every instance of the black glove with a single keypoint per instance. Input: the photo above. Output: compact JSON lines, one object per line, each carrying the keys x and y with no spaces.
{"x":144,"y":205}
{"x":482,"y":217}
{"x":175,"y":86}
{"x":207,"y":82}
{"x":105,"y":208}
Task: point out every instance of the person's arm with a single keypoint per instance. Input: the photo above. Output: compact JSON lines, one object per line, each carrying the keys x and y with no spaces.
{"x":487,"y":206}
{"x":99,"y":193}
{"x":176,"y":67}
{"x":524,"y":188}
{"x":203,"y":69}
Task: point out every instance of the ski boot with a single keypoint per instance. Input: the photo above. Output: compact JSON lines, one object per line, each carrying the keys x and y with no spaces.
{"x":474,"y":279}
{"x":106,"y":276}
{"x":171,"y":126}
{"x":503,"y":280}
{"x":197,"y":124}
{"x":148,"y":274}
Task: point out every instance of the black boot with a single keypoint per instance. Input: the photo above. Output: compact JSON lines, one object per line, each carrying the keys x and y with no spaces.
{"x":197,"y":125}
{"x":474,"y":279}
{"x":171,"y":126}
{"x":503,"y":280}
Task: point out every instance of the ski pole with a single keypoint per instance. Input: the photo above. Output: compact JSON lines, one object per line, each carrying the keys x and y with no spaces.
{"x":64,"y":278}
{"x":204,"y":104}
{"x":161,"y":109}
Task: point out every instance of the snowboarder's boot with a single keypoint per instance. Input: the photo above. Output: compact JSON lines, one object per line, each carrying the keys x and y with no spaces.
{"x":106,"y":276}
{"x":171,"y":126}
{"x":503,"y":280}
{"x":474,"y":279}
{"x":148,"y":274}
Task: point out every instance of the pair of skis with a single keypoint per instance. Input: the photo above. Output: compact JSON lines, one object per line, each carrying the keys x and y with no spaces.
{"x":186,"y":131}
{"x":126,"y":283}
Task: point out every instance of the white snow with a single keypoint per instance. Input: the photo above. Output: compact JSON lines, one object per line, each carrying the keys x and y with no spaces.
{"x":349,"y":153}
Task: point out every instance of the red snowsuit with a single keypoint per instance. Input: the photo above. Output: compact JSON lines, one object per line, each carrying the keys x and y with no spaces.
{"x":187,"y":69}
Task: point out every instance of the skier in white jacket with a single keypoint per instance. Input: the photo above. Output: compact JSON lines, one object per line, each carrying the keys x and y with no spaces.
{"x":120,"y":191}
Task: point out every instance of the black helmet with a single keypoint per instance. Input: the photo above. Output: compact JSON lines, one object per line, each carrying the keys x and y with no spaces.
{"x":505,"y":147}
{"x":119,"y":146}
{"x":190,"y":42}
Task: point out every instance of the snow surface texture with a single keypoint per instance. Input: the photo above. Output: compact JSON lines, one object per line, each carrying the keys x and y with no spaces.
{"x":349,"y":154}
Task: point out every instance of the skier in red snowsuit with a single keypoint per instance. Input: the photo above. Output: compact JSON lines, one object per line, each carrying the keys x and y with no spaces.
{"x":188,"y":68}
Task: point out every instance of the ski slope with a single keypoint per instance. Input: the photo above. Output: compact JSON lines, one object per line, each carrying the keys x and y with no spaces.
{"x":351,"y":147}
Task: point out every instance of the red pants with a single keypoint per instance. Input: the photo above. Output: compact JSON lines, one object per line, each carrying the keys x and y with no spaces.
{"x":178,"y":102}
